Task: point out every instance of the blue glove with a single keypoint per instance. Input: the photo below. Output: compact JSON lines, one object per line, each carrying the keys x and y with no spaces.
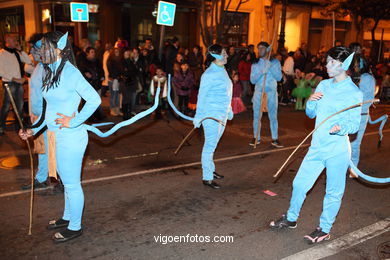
{"x":196,"y":122}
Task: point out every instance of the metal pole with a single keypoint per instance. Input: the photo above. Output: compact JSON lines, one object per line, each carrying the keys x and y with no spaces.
{"x":334,"y":29}
{"x":161,"y":45}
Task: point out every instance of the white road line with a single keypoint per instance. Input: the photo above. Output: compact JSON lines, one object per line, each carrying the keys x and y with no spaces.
{"x":168,"y":168}
{"x":175,"y":167}
{"x":344,"y":242}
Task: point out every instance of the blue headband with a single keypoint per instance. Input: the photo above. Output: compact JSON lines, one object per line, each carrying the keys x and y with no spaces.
{"x":217,"y":56}
{"x":38,"y":44}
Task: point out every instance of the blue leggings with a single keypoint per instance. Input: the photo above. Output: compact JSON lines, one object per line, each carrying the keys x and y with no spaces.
{"x":355,"y":144}
{"x":212,"y":133}
{"x":272,"y":105}
{"x":42,"y":172}
{"x":70,"y":148}
{"x":311,"y":167}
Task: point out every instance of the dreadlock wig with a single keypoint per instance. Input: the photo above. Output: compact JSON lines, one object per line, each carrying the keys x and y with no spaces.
{"x":52,"y":71}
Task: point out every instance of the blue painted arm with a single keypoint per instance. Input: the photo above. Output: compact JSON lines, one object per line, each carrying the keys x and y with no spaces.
{"x":89,"y":94}
{"x":311,"y":106}
{"x":351,"y":118}
{"x":40,"y":123}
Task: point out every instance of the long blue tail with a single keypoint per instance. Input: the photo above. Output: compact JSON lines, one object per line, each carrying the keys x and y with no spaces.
{"x":99,"y":133}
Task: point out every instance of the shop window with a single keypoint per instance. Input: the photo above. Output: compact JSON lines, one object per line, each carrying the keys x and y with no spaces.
{"x":236,"y":24}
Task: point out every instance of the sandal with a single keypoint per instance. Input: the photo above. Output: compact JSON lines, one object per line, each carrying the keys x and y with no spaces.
{"x":66,"y":235}
{"x":59,"y":223}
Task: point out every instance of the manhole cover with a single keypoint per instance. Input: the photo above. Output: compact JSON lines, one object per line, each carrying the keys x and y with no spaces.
{"x":384,"y":250}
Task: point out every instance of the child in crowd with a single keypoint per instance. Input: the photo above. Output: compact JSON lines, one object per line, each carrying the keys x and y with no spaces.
{"x":237,"y":104}
{"x":303,"y":90}
{"x":159,"y":80}
{"x":183,"y":82}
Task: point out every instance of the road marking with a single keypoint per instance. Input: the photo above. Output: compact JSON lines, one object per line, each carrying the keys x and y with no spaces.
{"x":175,"y":167}
{"x":342,"y":243}
{"x":162,"y":169}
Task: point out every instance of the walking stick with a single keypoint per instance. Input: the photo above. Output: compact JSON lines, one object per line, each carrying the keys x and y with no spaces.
{"x":315,"y":129}
{"x":30,"y":154}
{"x":192,"y":130}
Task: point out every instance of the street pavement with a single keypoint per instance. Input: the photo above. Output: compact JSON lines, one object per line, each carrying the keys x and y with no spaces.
{"x":137,"y":190}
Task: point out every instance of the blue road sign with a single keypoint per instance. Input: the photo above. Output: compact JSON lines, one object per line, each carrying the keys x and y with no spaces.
{"x":79,"y":12}
{"x":166,"y":13}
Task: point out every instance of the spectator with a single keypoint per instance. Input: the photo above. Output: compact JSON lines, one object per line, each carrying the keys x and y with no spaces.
{"x":232,"y":61}
{"x":82,"y":55}
{"x":99,"y":50}
{"x":299,"y":60}
{"x":129,"y":86}
{"x":140,"y":65}
{"x":244,"y":73}
{"x":237,"y":104}
{"x":289,"y":73}
{"x":12,"y":73}
{"x":251,"y":49}
{"x":159,"y":81}
{"x":170,"y":56}
{"x":195,"y":61}
{"x":106,"y":55}
{"x":115,"y":72}
{"x":92,"y":70}
{"x":183,"y":82}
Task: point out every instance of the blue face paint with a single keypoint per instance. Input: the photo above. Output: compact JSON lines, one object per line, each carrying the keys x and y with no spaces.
{"x":38,"y":44}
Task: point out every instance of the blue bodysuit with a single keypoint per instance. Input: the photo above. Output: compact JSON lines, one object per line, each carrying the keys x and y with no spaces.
{"x":36,"y":103}
{"x":274,"y":74}
{"x":330,"y":151}
{"x":367,"y":86}
{"x":70,"y":142}
{"x":214,"y":100}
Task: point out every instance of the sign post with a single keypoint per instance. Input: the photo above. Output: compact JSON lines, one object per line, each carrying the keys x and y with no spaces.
{"x":165,"y":17}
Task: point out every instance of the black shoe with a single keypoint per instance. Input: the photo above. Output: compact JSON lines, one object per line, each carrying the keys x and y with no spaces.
{"x":37,"y":185}
{"x":211,"y":184}
{"x":66,"y":235}
{"x":59,"y":223}
{"x":316,"y":236}
{"x":218,"y":176}
{"x":252,"y":143}
{"x":283,"y":223}
{"x":276,"y":143}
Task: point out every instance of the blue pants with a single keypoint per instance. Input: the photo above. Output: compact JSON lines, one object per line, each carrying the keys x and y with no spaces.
{"x":311,"y":167}
{"x":42,"y":172}
{"x":70,"y":148}
{"x":114,"y":96}
{"x":212,"y":133}
{"x":355,"y":144}
{"x":272,"y":105}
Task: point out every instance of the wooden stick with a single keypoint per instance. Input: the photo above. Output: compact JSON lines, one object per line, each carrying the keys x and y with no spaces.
{"x":30,"y":153}
{"x":192,"y":130}
{"x":315,"y":129}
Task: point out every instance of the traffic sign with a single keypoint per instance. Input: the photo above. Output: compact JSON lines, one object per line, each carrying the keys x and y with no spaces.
{"x":79,"y":12}
{"x":166,"y":13}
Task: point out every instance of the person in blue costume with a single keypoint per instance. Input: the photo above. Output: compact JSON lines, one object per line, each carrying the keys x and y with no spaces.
{"x":63,"y":86}
{"x":366,"y":83}
{"x":214,"y":100}
{"x":270,"y":69}
{"x":330,"y":146}
{"x":35,"y":101}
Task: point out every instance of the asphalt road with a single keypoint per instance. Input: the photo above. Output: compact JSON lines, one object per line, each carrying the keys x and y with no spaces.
{"x":137,"y":191}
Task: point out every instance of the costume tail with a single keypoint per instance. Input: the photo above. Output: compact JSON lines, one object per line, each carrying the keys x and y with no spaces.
{"x":383,"y":120}
{"x":173,"y":105}
{"x":367,"y":177}
{"x":93,"y":129}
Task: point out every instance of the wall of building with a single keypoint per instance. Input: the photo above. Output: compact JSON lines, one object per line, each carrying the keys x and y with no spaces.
{"x":30,"y":18}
